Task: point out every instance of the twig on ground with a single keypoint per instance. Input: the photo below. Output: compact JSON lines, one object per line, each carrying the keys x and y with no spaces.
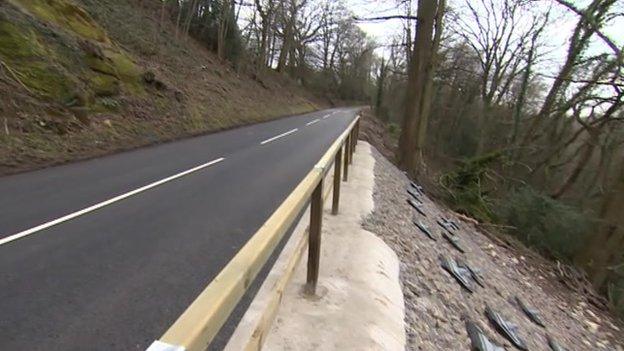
{"x":14,"y":75}
{"x":466,"y":218}
{"x":499,"y":226}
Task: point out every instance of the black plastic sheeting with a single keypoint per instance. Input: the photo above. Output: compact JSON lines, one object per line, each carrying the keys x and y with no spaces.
{"x":506,"y":328}
{"x":417,"y":187}
{"x":474,"y":272}
{"x":415,"y":194}
{"x":532,"y":313}
{"x":554,"y":345}
{"x":461,"y":274}
{"x":478,"y":339}
{"x":454,"y":241}
{"x":417,"y":206}
{"x":425,"y":229}
{"x":469,"y":277}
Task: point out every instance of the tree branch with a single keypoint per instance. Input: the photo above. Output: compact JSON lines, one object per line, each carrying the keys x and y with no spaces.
{"x":595,"y":26}
{"x":384,"y":18}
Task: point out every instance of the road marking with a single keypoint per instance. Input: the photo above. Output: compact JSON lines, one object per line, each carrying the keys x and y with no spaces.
{"x":105,"y":203}
{"x":163,"y":346}
{"x":327,"y":116}
{"x":279,"y":136}
{"x":311,"y":123}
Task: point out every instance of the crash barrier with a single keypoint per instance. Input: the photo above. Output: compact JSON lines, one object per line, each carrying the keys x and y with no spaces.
{"x":197,"y":326}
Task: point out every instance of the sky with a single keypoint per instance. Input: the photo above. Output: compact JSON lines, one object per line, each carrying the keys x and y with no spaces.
{"x":382,"y":30}
{"x":556,"y":35}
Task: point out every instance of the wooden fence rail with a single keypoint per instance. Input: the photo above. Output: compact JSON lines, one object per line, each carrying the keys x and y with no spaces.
{"x":201,"y":321}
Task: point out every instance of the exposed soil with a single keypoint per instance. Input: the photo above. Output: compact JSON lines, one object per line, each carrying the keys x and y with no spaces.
{"x":436,"y":305}
{"x":84,"y":78}
{"x":375,"y":132}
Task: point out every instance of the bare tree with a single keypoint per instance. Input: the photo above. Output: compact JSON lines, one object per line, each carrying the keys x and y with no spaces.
{"x":504,"y":36}
{"x":266,"y":11}
{"x":602,"y":250}
{"x":589,"y":22}
{"x":420,"y":84}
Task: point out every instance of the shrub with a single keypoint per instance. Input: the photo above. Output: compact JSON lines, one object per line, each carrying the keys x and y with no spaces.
{"x":544,"y":223}
{"x":393,"y":129}
{"x":615,"y":293}
{"x":467,"y":188}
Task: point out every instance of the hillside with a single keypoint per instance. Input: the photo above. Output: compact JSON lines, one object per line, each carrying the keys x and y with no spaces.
{"x":89,"y":77}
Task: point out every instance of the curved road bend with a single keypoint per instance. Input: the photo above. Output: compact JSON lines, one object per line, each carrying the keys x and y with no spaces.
{"x":105,"y":254}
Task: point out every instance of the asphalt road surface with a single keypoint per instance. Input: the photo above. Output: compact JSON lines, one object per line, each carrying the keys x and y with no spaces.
{"x":105,"y":254}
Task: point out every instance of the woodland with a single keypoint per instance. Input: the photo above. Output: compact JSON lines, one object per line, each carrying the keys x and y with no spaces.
{"x":512,"y":137}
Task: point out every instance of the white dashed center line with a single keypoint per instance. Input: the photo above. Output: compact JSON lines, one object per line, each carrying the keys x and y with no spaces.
{"x":279,"y":136}
{"x":311,"y":123}
{"x":105,"y":203}
{"x":326,"y":116}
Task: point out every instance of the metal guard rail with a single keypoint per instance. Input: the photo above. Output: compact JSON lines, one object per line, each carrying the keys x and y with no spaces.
{"x":201,"y":321}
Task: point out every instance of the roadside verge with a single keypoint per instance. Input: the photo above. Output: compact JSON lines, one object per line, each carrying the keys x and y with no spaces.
{"x":359,"y":304}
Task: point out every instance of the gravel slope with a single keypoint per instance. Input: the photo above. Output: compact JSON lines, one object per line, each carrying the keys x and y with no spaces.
{"x":436,"y":305}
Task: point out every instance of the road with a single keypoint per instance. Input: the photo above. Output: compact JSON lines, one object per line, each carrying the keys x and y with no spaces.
{"x":105,"y":254}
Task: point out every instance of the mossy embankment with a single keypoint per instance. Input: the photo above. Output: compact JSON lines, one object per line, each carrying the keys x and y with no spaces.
{"x":84,"y":78}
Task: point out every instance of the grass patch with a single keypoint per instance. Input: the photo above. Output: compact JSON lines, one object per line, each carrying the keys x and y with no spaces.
{"x":66,"y":15}
{"x":466,"y":188}
{"x":25,"y":57}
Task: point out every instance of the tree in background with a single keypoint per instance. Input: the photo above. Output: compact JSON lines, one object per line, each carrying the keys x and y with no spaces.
{"x":315,"y":42}
{"x":512,"y":142}
{"x":213,"y":23}
{"x":381,"y":79}
{"x":503,"y":35}
{"x":418,"y":94}
{"x":605,"y":248}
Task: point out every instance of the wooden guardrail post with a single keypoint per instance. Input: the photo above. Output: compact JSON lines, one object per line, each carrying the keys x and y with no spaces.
{"x":351,"y":145}
{"x":345,"y":176}
{"x":337,"y":175}
{"x":197,"y":326}
{"x":314,"y":242}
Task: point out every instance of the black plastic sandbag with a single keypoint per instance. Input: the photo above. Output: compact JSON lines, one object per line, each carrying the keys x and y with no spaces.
{"x":506,"y":328}
{"x":532,"y":313}
{"x":423,"y":228}
{"x":461,"y":274}
{"x":478,"y":340}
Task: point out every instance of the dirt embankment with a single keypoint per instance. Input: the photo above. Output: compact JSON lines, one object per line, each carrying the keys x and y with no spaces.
{"x":437,"y":306}
{"x":89,"y":77}
{"x":376,"y":133}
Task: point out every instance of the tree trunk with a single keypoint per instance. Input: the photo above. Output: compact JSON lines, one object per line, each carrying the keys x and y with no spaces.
{"x":603,"y":247}
{"x":578,"y":43}
{"x":190,"y":16}
{"x":380,"y":88}
{"x":524,"y":85}
{"x":266,"y":16}
{"x":178,"y":19}
{"x":288,"y":40}
{"x":580,"y":166}
{"x":481,"y":123}
{"x":283,"y":56}
{"x":419,"y":86}
{"x":223,"y":29}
